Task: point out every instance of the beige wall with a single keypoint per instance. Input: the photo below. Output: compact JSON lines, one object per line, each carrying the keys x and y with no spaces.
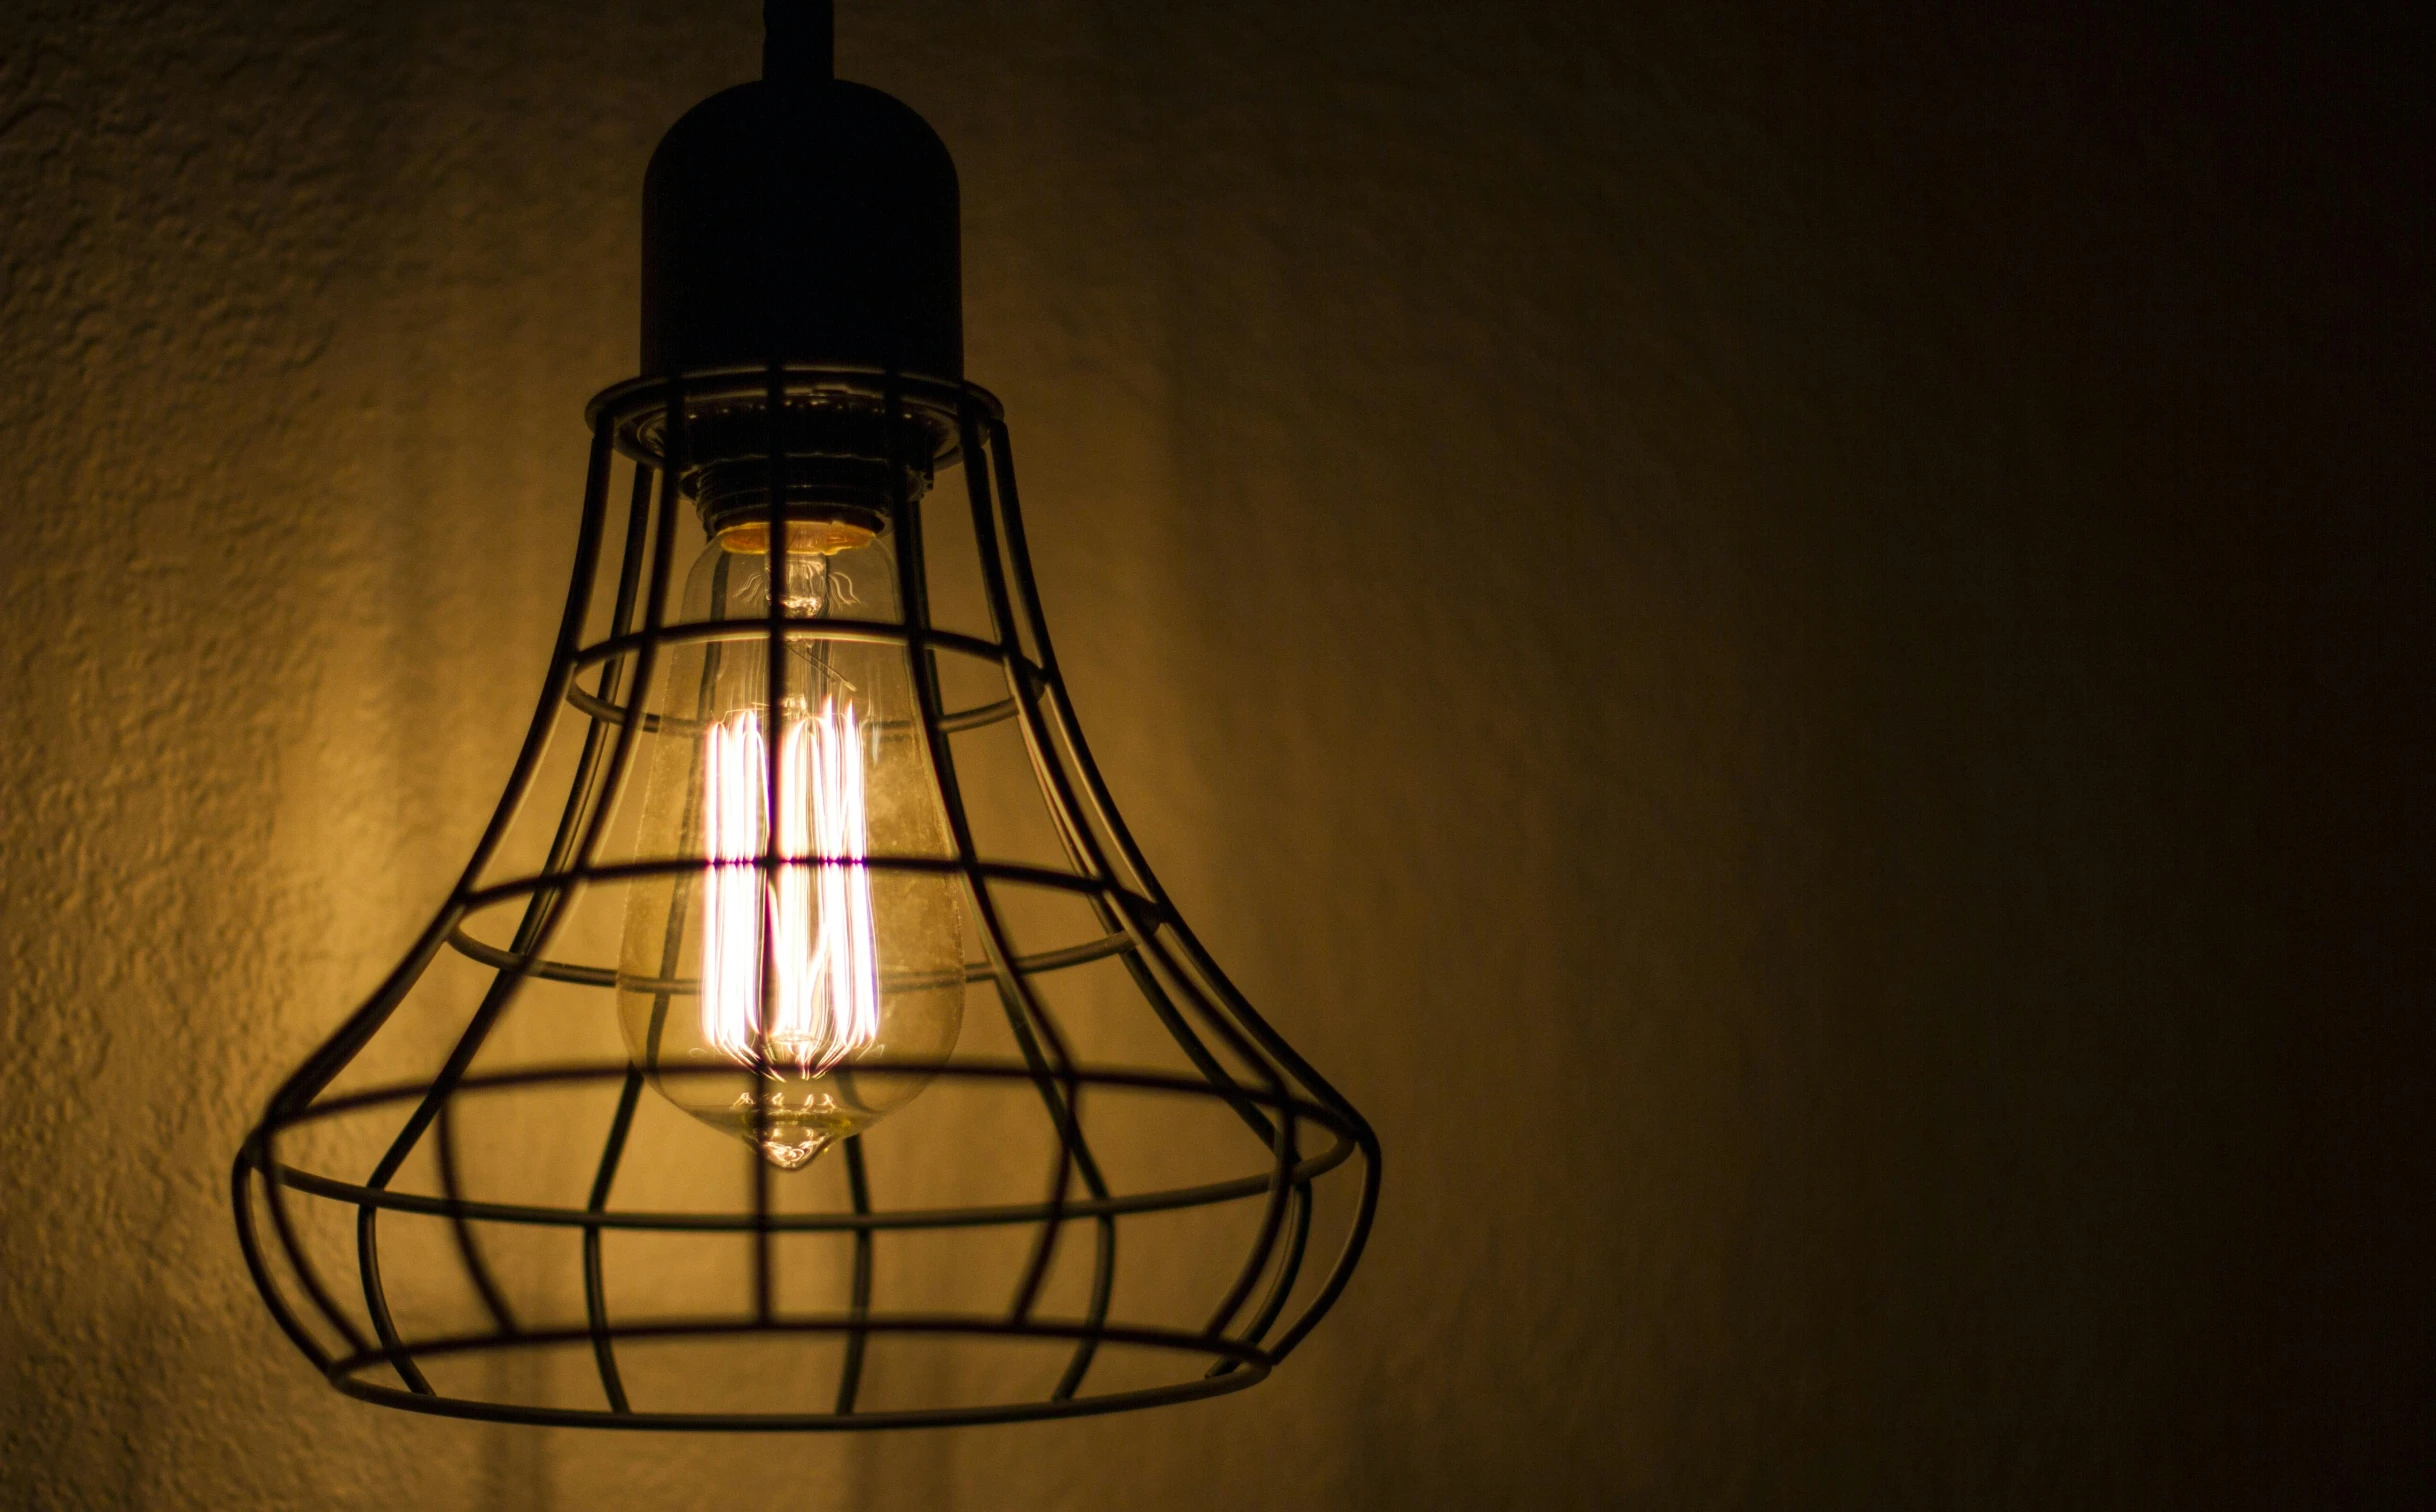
{"x":1838,"y":584}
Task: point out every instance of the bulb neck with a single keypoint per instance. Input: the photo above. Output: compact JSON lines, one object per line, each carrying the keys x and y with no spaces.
{"x":804,"y":538}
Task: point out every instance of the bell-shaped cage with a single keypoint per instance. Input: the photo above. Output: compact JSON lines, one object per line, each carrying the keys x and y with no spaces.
{"x":543,"y":1174}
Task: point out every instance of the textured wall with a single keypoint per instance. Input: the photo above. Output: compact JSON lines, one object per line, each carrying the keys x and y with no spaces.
{"x":1850,"y":587}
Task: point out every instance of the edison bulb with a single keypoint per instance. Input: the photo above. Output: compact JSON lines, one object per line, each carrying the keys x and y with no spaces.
{"x":782,"y":983}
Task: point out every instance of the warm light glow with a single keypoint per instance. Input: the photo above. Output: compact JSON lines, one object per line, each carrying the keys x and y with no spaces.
{"x":823,"y":969}
{"x":789,"y":971}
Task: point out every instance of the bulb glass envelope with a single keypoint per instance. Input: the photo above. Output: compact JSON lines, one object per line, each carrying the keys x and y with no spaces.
{"x":1119,"y":1188}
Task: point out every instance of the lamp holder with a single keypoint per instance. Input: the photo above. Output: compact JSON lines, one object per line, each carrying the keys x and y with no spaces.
{"x":800,"y":220}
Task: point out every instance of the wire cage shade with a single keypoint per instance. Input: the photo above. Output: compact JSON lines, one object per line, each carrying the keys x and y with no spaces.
{"x":1121,"y":1187}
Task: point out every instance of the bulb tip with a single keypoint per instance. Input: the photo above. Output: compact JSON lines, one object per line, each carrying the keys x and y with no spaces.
{"x":794,"y":1150}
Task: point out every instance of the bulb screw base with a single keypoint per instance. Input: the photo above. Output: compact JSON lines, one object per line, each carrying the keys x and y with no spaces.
{"x":833,"y":466}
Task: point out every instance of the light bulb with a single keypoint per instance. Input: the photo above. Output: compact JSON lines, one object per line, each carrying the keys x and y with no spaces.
{"x":785,"y":990}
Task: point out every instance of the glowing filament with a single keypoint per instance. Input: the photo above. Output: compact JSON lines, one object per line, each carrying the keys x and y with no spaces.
{"x":823,"y":968}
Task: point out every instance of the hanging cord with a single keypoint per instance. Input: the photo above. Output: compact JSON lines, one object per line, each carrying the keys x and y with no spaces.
{"x":798,"y":42}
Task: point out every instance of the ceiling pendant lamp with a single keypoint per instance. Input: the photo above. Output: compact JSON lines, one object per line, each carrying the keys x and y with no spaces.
{"x":806,"y":1044}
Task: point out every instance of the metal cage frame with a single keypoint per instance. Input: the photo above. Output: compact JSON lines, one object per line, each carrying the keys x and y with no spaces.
{"x":1237,"y":1059}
